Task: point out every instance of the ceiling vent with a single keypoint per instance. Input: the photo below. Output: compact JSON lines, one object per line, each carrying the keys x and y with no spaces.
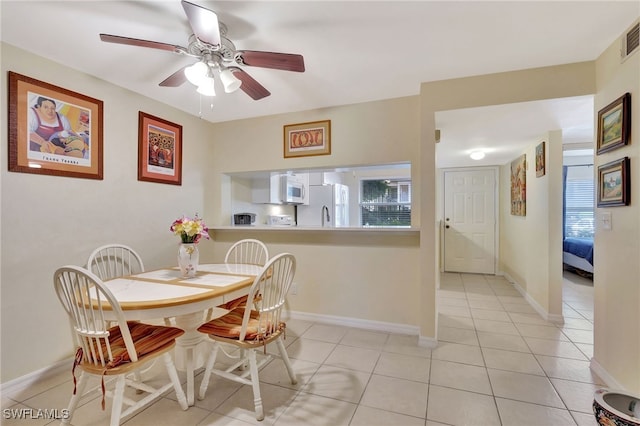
{"x":630,"y":41}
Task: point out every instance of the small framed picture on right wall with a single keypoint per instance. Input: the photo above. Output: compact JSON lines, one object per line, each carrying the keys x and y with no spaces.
{"x":614,"y":124}
{"x":614,"y":183}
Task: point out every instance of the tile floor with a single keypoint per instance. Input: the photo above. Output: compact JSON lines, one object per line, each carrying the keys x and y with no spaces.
{"x":498,"y":363}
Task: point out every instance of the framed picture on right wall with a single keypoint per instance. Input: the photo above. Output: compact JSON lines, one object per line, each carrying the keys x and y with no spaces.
{"x":614,"y":124}
{"x":614,"y":183}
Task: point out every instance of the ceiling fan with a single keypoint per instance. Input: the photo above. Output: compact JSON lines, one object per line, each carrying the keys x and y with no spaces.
{"x":214,"y":51}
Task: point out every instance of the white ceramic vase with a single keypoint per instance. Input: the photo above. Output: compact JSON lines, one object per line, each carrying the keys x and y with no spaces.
{"x":188,"y":258}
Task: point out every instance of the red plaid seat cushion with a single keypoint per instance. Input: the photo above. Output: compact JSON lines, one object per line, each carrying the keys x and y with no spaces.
{"x":239,"y":302}
{"x":146,"y":338}
{"x":230,"y":325}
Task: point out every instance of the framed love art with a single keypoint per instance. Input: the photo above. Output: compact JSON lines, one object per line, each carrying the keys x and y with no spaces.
{"x":305,"y":139}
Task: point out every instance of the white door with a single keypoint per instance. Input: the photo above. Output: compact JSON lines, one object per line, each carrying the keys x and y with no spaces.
{"x":470,"y":221}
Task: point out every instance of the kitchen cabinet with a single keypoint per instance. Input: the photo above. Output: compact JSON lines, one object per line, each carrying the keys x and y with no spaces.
{"x":266,"y":190}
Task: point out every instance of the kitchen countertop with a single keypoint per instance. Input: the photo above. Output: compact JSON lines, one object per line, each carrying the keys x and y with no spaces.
{"x":312,"y":229}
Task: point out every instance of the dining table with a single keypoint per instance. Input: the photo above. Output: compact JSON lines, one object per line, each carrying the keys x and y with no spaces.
{"x":164,"y":293}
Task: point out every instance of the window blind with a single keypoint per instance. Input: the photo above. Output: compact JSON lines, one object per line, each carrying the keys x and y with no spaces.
{"x":579,"y":202}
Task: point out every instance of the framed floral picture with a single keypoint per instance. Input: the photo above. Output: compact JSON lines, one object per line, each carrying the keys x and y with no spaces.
{"x":53,"y":131}
{"x":614,"y":183}
{"x":540,"y":164}
{"x":305,"y":139}
{"x":159,"y":150}
{"x":614,"y":124}
{"x":519,"y":186}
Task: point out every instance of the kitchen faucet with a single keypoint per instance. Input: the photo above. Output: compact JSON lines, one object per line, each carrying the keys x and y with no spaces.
{"x":325,"y":214}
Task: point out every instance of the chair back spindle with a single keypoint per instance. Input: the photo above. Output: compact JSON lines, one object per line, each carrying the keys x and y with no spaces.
{"x":253,"y":326}
{"x":269,"y":294}
{"x":118,"y":350}
{"x":85,"y":300}
{"x":113,"y":261}
{"x":250,"y":251}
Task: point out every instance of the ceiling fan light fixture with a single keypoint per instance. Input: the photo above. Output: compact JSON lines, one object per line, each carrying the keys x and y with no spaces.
{"x":229,"y":81}
{"x":477,"y":155}
{"x":207,"y":87}
{"x":196,"y":73}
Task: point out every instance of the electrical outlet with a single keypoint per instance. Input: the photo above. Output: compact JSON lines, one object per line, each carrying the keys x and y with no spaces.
{"x":294,"y":288}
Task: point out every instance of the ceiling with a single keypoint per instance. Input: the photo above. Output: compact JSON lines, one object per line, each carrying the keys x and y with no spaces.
{"x":354,"y":51}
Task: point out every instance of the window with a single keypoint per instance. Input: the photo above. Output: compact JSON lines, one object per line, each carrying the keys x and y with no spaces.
{"x":385,"y":202}
{"x":579,"y":202}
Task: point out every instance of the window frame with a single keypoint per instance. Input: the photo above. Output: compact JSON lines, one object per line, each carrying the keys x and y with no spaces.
{"x":400,"y":181}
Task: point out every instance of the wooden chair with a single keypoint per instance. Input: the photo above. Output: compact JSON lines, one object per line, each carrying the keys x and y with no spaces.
{"x":113,"y":261}
{"x":253,"y":252}
{"x":249,"y":251}
{"x":112,"y":351}
{"x":253,"y":327}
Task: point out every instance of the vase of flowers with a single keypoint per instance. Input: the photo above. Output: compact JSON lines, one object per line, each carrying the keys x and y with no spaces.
{"x":190,"y":231}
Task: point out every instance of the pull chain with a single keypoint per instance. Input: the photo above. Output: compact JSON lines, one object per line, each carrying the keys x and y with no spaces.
{"x":200,"y":107}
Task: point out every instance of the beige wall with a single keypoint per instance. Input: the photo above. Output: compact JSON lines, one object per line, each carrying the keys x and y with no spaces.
{"x":617,"y":252}
{"x":530,"y":258}
{"x":50,"y":221}
{"x":361,"y":134}
{"x":355,"y":276}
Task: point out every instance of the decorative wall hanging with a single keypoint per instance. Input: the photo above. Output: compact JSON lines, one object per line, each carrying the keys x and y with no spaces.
{"x":540,"y":162}
{"x":614,"y":183}
{"x":159,"y":150}
{"x":305,"y":139}
{"x":614,"y":124}
{"x":53,"y":131}
{"x":519,"y":186}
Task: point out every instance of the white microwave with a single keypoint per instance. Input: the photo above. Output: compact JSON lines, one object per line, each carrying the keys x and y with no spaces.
{"x":292,"y":190}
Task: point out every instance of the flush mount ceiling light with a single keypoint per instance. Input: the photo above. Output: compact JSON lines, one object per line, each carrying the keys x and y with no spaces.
{"x":477,"y":155}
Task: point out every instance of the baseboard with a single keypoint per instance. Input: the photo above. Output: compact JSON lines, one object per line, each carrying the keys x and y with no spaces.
{"x":605,"y":376}
{"x":16,"y":385}
{"x":559,"y":319}
{"x":427,"y":342}
{"x":554,"y":318}
{"x":386,"y":327}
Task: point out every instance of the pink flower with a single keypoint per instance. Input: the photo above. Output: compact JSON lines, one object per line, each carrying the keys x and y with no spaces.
{"x":190,"y":230}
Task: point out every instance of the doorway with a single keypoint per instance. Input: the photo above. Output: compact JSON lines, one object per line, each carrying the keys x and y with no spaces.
{"x":469,"y":220}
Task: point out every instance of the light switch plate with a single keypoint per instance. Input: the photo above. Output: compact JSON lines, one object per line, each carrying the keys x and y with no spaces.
{"x":606,"y":221}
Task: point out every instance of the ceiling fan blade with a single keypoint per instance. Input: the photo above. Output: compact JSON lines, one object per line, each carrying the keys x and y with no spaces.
{"x":249,"y":85}
{"x":176,"y":79}
{"x":204,"y":23}
{"x":278,"y":61}
{"x":142,"y":43}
